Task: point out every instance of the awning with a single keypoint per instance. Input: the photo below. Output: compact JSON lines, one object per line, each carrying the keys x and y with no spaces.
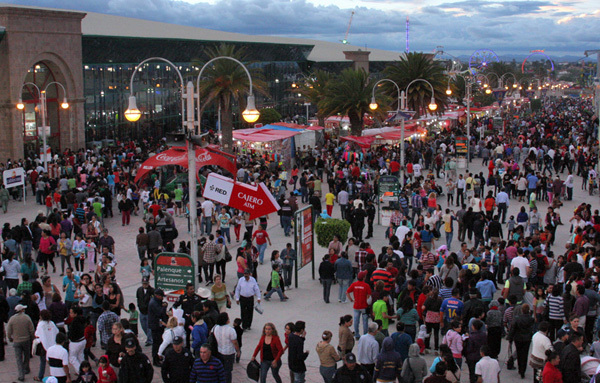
{"x":287,"y":125}
{"x":315,"y":127}
{"x":363,"y":142}
{"x":265,"y":134}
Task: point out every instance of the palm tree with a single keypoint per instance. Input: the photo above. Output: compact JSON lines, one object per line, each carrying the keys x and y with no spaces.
{"x":313,"y":89}
{"x":348,"y":94}
{"x":224,"y":83}
{"x":413,"y":66}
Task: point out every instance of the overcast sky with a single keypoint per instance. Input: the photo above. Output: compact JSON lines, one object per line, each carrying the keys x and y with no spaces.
{"x":461,"y":27}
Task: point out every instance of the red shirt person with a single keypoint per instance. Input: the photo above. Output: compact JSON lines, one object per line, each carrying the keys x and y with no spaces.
{"x":361,"y":292}
{"x":261,"y":237}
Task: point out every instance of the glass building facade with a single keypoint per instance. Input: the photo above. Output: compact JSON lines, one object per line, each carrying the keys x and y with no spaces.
{"x":110,"y":61}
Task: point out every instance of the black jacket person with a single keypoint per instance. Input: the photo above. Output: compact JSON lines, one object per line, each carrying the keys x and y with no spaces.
{"x":135,"y":366}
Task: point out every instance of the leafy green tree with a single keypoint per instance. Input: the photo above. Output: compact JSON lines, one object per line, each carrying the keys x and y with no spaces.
{"x":224,"y":83}
{"x":348,"y":94}
{"x":313,"y":88}
{"x":412,"y":66}
{"x":269,"y":116}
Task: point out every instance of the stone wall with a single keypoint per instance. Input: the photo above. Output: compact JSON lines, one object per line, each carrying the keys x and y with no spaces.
{"x":33,"y":36}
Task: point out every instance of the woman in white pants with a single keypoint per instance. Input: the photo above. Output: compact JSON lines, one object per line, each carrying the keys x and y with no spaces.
{"x":76,"y":323}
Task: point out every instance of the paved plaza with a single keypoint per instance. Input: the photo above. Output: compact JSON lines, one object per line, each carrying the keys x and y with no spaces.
{"x":305,"y":302}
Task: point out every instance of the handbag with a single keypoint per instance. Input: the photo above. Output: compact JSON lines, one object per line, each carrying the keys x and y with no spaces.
{"x":536,"y":363}
{"x":228,"y":257}
{"x":253,"y":370}
{"x":37,"y":348}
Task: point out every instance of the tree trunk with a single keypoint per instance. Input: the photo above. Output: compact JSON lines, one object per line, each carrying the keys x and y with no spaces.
{"x":356,"y":124}
{"x":321,"y":121}
{"x":226,"y":127}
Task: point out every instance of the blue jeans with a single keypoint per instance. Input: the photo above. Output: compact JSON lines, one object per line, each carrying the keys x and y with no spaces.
{"x":304,"y":192}
{"x":22,"y":354}
{"x":326,"y":288}
{"x":327,"y":373}
{"x":449,"y":239}
{"x":265,"y":365}
{"x":261,"y":252}
{"x":225,"y":232}
{"x":344,"y":283}
{"x":274,"y":290}
{"x":144,"y":323}
{"x":228,"y":361}
{"x":206,"y":226}
{"x":357,"y":315}
{"x":26,"y":246}
{"x":42,"y":370}
{"x":287,"y":274}
{"x":299,"y":377}
{"x":286,"y":223}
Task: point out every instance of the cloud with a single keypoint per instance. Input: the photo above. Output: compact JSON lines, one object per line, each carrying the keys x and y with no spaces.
{"x":560,"y":27}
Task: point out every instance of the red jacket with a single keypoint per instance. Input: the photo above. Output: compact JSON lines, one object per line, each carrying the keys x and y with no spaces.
{"x":551,"y":374}
{"x":275,"y":348}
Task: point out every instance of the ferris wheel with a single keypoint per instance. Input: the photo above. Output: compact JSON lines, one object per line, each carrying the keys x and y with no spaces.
{"x":452,"y":63}
{"x":481,"y":59}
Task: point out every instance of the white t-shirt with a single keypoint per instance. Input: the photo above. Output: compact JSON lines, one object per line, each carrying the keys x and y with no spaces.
{"x":57,"y":357}
{"x":488,"y":369}
{"x":225,"y":335}
{"x":417,"y":170}
{"x":12,"y":269}
{"x":401,"y":232}
{"x":522,"y":264}
{"x":208,"y":208}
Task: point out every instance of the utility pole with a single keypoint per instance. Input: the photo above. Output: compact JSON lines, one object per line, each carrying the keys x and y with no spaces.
{"x":596,"y":96}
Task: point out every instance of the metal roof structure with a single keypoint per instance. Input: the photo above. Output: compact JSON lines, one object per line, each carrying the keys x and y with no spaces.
{"x":101,"y":26}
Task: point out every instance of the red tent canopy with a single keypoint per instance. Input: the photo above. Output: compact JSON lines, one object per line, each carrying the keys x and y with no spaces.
{"x":179,"y":156}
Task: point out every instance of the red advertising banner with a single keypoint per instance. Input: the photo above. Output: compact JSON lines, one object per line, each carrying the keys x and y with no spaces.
{"x":307,"y":237}
{"x":179,"y":156}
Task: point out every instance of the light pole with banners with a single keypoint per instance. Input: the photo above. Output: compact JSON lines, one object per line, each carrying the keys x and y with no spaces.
{"x":44,"y":111}
{"x":189,"y":124}
{"x":402,"y":104}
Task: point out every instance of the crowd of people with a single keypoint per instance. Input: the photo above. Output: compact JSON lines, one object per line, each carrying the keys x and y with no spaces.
{"x":501,"y":277}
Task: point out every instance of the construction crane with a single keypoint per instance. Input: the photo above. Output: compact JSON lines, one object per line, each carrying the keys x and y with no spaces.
{"x":345,"y":40}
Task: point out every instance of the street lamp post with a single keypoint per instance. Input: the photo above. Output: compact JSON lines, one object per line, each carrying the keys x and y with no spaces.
{"x":373,"y":105}
{"x":468,"y":84}
{"x":189,"y":123}
{"x":43,"y":112}
{"x":402,"y":104}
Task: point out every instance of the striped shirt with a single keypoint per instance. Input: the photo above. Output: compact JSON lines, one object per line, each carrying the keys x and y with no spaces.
{"x":385,"y":276}
{"x":446,"y":292}
{"x":57,"y":357}
{"x":210,"y":372}
{"x":417,"y":201}
{"x":435,"y":282}
{"x":556,"y":307}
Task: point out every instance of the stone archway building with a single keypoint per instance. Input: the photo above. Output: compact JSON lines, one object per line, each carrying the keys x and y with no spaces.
{"x":34,"y":36}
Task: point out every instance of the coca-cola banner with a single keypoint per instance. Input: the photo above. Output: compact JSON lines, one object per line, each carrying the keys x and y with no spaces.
{"x":179,"y":156}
